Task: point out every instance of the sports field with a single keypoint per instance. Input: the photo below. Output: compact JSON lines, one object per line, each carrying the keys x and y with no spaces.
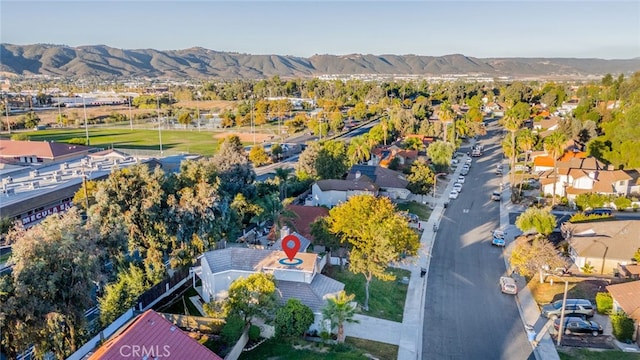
{"x":138,"y":142}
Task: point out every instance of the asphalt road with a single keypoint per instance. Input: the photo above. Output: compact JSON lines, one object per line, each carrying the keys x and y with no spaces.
{"x":466,"y":315}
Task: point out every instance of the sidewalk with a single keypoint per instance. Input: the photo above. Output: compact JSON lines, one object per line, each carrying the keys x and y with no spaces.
{"x":543,"y":346}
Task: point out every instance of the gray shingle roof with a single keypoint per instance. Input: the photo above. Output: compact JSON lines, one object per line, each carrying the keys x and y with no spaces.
{"x":304,"y":243}
{"x":235,"y":259}
{"x":383,"y":177}
{"x":363,"y":183}
{"x":313,"y":295}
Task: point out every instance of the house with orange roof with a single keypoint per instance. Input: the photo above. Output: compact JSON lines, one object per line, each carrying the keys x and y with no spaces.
{"x":303,"y":217}
{"x":151,"y":336}
{"x":383,"y":156}
{"x":40,"y":152}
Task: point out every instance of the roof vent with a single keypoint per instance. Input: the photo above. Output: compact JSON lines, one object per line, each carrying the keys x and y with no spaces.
{"x":34,"y":185}
{"x":358,"y":174}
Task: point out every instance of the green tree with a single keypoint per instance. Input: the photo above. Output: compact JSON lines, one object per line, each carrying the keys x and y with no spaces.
{"x":306,"y":166}
{"x":252,"y":296}
{"x":79,"y":198}
{"x":421,"y":178}
{"x":234,"y":169}
{"x":122,"y":294}
{"x":55,"y":265}
{"x":277,"y":151}
{"x":441,"y":154}
{"x":282,"y":176}
{"x":323,"y":236}
{"x":513,"y":119}
{"x":623,"y":326}
{"x":332,"y":160}
{"x":293,"y":319}
{"x":554,"y":145}
{"x":339,"y":311}
{"x":358,"y":151}
{"x":258,"y":155}
{"x":31,"y":120}
{"x":446,"y":115}
{"x":185,"y":118}
{"x":535,"y":256}
{"x":377,"y":234}
{"x":540,"y":220}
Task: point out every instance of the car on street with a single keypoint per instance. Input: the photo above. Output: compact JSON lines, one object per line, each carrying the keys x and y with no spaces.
{"x":497,"y":238}
{"x":460,"y":179}
{"x":574,"y":307}
{"x":496,"y":196}
{"x":576,"y":325}
{"x":508,"y":285}
{"x":457,"y":187}
{"x":464,"y":171}
{"x":453,"y":194}
{"x":468,"y":161}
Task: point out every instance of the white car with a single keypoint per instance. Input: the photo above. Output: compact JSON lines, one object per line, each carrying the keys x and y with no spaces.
{"x":457,"y":187}
{"x":453,"y":194}
{"x":460,"y":179}
{"x":468,"y":161}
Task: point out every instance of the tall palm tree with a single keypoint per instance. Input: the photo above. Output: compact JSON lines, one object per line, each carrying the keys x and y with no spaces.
{"x":525,"y":142}
{"x":338,"y":311}
{"x":512,"y":123}
{"x":446,"y":115}
{"x":554,"y":145}
{"x":283,"y":174}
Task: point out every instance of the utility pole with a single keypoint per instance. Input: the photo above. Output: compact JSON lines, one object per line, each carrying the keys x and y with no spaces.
{"x":6,"y":109}
{"x":130,"y":116}
{"x":159,"y":125}
{"x":86,"y":123}
{"x":564,"y":305}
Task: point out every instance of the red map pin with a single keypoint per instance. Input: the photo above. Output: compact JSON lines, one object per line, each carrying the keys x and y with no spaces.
{"x":291,"y":245}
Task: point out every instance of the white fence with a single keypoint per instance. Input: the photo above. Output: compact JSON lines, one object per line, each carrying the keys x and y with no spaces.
{"x":104,"y":334}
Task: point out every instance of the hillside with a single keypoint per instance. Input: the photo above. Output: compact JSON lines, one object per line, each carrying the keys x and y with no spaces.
{"x":104,"y":61}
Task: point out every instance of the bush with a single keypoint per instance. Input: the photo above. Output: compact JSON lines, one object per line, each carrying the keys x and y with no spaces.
{"x":604,"y":302}
{"x":293,"y":319}
{"x":20,"y":137}
{"x":232,"y":330}
{"x":254,"y":333}
{"x":77,"y":141}
{"x":622,"y":326}
{"x":622,"y":203}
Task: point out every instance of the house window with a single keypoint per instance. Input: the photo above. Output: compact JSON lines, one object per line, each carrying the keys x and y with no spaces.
{"x":622,"y":182}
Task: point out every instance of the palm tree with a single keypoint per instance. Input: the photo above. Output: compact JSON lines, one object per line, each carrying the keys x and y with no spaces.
{"x":554,"y":145}
{"x":445,"y":114}
{"x":526,"y":141}
{"x":512,"y":123}
{"x":283,"y":174}
{"x":338,"y":311}
{"x":358,"y":150}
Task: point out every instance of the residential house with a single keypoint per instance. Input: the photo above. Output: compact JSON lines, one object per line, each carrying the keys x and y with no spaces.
{"x":392,"y":184}
{"x":626,"y":298}
{"x":303,"y":281}
{"x":602,"y":244}
{"x":583,"y":175}
{"x":39,"y":152}
{"x":150,"y":336}
{"x":384,"y":155}
{"x":546,"y":124}
{"x":567,"y":107}
{"x":332,"y":192}
{"x":302,"y":218}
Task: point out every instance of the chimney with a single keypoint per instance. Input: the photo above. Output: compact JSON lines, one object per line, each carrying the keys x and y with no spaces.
{"x":284,"y":231}
{"x":610,"y":167}
{"x":358,"y":174}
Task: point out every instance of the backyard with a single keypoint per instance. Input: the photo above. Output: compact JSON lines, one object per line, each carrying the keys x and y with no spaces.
{"x":414,"y":207}
{"x":386,"y":298}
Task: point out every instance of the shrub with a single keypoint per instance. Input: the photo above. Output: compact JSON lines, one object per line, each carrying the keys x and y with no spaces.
{"x":20,"y":137}
{"x":293,"y":319}
{"x":77,"y":141}
{"x":622,"y":203}
{"x":588,"y":268}
{"x":232,"y":330}
{"x":604,"y":302}
{"x":622,"y":326}
{"x":254,"y":333}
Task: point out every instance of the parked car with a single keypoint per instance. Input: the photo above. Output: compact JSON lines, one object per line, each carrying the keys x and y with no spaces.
{"x":460,"y":179}
{"x":496,"y":196}
{"x":599,"y":211}
{"x":457,"y":187}
{"x":453,"y":194}
{"x":497,"y":238}
{"x":508,"y":285}
{"x":576,"y":325}
{"x":468,"y":161}
{"x":464,"y":171}
{"x":574,"y":307}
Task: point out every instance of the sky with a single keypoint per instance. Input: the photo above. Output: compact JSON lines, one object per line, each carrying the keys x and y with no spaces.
{"x":476,"y":28}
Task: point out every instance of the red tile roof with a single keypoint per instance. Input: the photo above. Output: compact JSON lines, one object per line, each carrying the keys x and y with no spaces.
{"x":41,"y":149}
{"x":152,"y":335}
{"x":546,"y":161}
{"x":305,"y":215}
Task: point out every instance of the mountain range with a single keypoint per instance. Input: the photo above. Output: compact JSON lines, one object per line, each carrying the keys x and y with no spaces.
{"x":198,"y":63}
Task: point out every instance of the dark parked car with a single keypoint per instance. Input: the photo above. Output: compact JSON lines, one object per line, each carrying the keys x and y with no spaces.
{"x":576,"y":325}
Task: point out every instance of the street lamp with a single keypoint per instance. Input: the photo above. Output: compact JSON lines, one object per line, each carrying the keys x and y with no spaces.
{"x":435,"y":182}
{"x":159,"y":125}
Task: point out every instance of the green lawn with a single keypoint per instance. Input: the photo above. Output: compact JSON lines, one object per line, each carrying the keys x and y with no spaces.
{"x":386,"y":298}
{"x":380,"y":350}
{"x":584,"y":354}
{"x":277,"y":349}
{"x":4,"y":258}
{"x":413,"y":207}
{"x":173,"y":141}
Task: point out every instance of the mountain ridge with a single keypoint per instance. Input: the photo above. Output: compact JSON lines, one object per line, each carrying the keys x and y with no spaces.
{"x":199,"y":62}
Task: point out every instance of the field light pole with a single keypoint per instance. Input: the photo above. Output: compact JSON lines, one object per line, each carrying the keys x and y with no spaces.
{"x":6,"y":110}
{"x":86,"y":123}
{"x":159,"y":125}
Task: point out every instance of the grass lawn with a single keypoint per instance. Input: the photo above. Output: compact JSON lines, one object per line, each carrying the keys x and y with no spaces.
{"x":584,"y":354}
{"x":277,"y":349}
{"x":414,"y":207}
{"x":4,"y":258}
{"x":380,"y":350}
{"x":386,"y":298}
{"x":175,"y":141}
{"x":178,"y":306}
{"x":578,"y":288}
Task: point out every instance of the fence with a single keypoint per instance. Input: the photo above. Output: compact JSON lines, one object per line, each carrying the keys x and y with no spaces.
{"x":234,"y":354}
{"x":104,"y":334}
{"x":158,"y":291}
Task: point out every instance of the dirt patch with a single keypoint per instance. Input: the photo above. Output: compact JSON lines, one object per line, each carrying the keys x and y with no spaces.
{"x":579,"y":288}
{"x":586,"y":341}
